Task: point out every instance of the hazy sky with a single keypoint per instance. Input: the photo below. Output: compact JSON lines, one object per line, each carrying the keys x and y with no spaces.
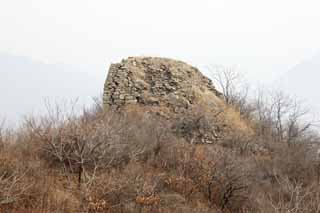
{"x":262,"y":38}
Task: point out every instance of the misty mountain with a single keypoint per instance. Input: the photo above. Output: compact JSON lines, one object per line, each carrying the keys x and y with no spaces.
{"x":26,"y":83}
{"x":303,"y":81}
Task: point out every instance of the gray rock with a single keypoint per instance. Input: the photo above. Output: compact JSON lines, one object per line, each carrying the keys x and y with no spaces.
{"x":153,"y":81}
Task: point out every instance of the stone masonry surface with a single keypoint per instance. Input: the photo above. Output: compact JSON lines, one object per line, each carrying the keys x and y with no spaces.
{"x":154,"y":82}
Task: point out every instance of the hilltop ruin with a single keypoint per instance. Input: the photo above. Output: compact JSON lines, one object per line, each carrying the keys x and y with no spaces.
{"x":155,"y":82}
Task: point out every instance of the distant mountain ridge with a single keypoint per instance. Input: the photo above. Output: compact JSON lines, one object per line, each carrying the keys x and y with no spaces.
{"x":25,"y":83}
{"x":303,"y":81}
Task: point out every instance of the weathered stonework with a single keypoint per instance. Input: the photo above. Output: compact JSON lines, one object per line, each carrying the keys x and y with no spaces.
{"x":154,"y":82}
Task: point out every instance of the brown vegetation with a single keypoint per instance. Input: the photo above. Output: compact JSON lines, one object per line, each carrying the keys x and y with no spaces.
{"x":111,"y":161}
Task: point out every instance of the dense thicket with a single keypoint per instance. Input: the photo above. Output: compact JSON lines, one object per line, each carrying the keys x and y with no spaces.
{"x":108,"y":161}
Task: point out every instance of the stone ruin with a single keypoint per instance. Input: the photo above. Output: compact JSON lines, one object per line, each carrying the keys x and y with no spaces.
{"x":171,"y":89}
{"x":153,"y":81}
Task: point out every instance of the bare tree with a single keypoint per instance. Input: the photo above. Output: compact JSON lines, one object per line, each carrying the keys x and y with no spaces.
{"x":295,"y":126}
{"x":280,"y":108}
{"x":262,"y":113}
{"x":234,"y":88}
{"x":227,"y":80}
{"x":289,"y":117}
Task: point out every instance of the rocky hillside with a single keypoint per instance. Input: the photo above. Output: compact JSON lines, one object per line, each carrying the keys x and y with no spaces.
{"x":163,"y":141}
{"x":157,"y":82}
{"x":173,"y":90}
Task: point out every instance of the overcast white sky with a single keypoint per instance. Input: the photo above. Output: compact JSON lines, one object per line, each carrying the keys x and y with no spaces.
{"x":260,"y":37}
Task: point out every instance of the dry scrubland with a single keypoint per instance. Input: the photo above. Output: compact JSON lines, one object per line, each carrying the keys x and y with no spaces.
{"x":264,"y":160}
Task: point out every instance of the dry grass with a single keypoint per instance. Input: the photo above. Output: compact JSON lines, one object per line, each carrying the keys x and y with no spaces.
{"x":106,"y":161}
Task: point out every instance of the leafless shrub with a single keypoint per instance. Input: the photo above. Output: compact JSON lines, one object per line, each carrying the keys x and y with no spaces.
{"x":198,"y":126}
{"x":234,"y":88}
{"x":112,"y":161}
{"x":242,"y":143}
{"x":262,"y":115}
{"x":294,"y":197}
{"x":227,"y":186}
{"x":96,"y":142}
{"x":201,"y":173}
{"x":115,"y":192}
{"x":12,"y":187}
{"x":287,"y":114}
{"x":2,"y":132}
{"x":277,"y":115}
{"x":83,"y":144}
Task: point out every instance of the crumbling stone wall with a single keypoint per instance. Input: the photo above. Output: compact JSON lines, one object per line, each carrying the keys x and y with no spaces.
{"x":155,"y":82}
